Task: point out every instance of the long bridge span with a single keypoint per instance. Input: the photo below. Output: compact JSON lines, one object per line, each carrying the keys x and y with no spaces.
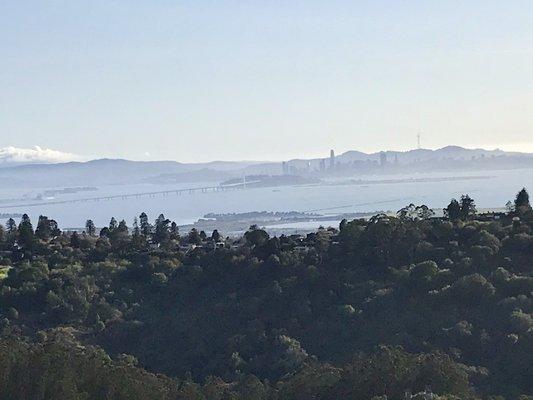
{"x":126,"y":196}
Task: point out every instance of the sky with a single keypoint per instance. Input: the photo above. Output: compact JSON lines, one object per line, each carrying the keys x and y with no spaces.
{"x":204,"y":80}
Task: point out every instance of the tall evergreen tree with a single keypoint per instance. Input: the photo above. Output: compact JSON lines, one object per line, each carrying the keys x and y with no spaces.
{"x":26,"y":235}
{"x":54,"y":228}
{"x":43,"y":230}
{"x":90,"y":229}
{"x":162,"y":231}
{"x":122,"y":227}
{"x":194,"y":237}
{"x":11,"y":226}
{"x":136,"y":231}
{"x":453,"y":211}
{"x":343,"y":224}
{"x":174,"y":231}
{"x":113,"y":224}
{"x":215,"y":235}
{"x":521,"y":202}
{"x":146,"y":229}
{"x":468,"y":207}
{"x":105,"y":232}
{"x":522,"y":198}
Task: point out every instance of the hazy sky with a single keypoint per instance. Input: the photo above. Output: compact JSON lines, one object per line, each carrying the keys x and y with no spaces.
{"x":202,"y":80}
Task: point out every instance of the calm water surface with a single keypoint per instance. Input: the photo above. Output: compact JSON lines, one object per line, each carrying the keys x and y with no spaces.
{"x":495,"y":191}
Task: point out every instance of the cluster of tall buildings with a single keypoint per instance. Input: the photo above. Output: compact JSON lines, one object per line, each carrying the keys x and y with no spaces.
{"x":331,"y":164}
{"x":325,"y":164}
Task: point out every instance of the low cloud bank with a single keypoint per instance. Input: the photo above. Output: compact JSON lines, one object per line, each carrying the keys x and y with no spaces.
{"x":35,"y":155}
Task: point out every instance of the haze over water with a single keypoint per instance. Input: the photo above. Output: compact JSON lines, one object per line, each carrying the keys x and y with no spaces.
{"x":492,"y":192}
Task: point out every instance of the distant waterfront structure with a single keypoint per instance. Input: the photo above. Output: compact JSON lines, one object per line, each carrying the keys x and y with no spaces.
{"x":331,"y":159}
{"x":293,"y":170}
{"x":285,"y":167}
{"x":382,"y":158}
{"x":323,"y":165}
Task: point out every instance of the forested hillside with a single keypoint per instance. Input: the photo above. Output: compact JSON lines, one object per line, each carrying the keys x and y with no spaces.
{"x":395,"y":307}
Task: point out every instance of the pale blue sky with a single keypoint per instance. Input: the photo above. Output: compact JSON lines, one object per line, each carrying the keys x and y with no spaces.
{"x":202,"y":80}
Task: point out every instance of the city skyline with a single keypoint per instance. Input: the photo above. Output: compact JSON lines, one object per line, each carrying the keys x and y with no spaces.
{"x":45,"y":155}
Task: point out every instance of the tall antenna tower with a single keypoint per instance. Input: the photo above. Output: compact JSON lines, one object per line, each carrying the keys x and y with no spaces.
{"x":418,"y":140}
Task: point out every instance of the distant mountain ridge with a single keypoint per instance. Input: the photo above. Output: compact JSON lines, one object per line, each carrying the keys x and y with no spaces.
{"x":409,"y":156}
{"x":118,"y":171}
{"x":121,"y":171}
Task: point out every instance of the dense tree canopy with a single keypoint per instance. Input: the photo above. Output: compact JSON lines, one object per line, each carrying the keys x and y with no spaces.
{"x":400,"y":307}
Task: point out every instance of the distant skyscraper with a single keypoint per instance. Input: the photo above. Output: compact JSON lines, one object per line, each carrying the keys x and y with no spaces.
{"x":331,"y":159}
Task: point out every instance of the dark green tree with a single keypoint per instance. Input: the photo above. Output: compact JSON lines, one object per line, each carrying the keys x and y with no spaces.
{"x":113,"y":224}
{"x":54,"y":228}
{"x":468,"y":207}
{"x":343,"y":224}
{"x":90,"y":229}
{"x":146,"y":229}
{"x":75,"y":240}
{"x":453,"y":211}
{"x":11,"y":230}
{"x":256,"y":236}
{"x":194,"y":237}
{"x":174,"y":231}
{"x":215,"y":236}
{"x":122,"y":227}
{"x":136,"y":231}
{"x":26,"y":235}
{"x":521,"y":202}
{"x":161,"y":230}
{"x":43,"y":230}
{"x":11,"y":226}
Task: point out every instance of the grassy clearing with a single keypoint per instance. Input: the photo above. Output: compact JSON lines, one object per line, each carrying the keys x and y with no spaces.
{"x":3,"y":271}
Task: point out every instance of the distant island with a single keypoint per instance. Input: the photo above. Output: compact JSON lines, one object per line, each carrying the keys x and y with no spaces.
{"x":269,"y":181}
